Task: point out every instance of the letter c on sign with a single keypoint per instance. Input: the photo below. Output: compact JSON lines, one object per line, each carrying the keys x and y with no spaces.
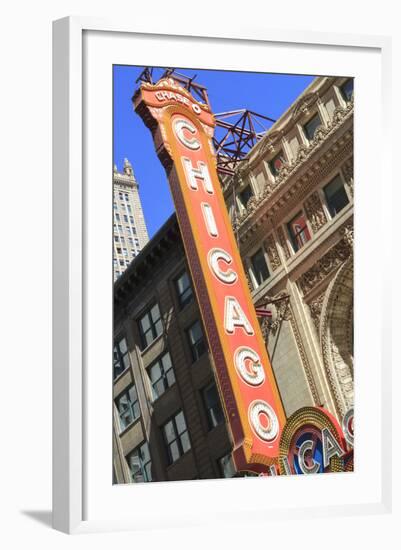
{"x":218,"y":254}
{"x":305,"y":469}
{"x":179,"y":126}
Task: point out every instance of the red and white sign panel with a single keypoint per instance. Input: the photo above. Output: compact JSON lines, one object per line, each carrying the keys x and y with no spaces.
{"x":182,"y":130}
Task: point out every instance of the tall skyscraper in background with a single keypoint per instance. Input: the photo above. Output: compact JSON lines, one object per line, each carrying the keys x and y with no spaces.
{"x":129,"y":229}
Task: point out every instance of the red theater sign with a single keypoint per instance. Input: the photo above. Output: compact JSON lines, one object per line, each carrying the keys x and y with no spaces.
{"x":182,"y":130}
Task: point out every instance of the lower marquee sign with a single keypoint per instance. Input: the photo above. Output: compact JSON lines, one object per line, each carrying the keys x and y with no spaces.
{"x":313,"y":442}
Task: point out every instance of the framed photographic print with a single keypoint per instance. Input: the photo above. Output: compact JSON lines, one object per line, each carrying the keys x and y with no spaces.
{"x":213,"y":227}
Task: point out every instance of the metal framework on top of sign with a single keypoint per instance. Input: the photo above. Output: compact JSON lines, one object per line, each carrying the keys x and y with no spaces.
{"x":182,"y":130}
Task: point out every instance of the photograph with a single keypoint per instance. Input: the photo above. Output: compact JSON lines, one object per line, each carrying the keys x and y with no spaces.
{"x":232,"y":245}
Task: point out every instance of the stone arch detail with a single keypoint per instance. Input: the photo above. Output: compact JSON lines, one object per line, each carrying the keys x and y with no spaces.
{"x":336,"y":336}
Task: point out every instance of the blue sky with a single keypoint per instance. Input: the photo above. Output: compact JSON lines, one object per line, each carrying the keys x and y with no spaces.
{"x":267,"y":94}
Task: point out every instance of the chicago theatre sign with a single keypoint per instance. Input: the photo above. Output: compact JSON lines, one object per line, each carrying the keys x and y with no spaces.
{"x":182,"y":130}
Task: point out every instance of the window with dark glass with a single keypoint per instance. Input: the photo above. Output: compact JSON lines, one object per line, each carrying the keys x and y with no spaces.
{"x":196,"y":340}
{"x":259,"y":267}
{"x":140,"y":464}
{"x":226,"y":466}
{"x":150,"y":326}
{"x":211,"y":400}
{"x":127,"y":405}
{"x":245,"y":195}
{"x":161,"y":375}
{"x":176,"y":437}
{"x":311,"y":126}
{"x":120,"y":357}
{"x":276,"y":163}
{"x":298,"y":231}
{"x":184,"y":289}
{"x":336,"y":196}
{"x":347,"y":89}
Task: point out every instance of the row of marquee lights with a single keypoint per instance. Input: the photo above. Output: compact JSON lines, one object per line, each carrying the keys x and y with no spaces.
{"x":189,"y":125}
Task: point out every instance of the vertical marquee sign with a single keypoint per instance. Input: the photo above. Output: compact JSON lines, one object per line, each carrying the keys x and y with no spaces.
{"x":182,"y":130}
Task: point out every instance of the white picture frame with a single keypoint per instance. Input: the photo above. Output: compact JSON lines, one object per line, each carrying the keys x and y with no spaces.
{"x":82,"y":48}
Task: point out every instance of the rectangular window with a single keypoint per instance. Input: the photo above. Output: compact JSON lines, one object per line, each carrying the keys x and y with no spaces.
{"x":150,"y":326}
{"x":161,"y":375}
{"x":298,"y":231}
{"x":129,"y":208}
{"x":336,"y":196}
{"x":276,"y":163}
{"x":128,"y":407}
{"x":121,"y":262}
{"x":117,"y":216}
{"x":245,"y":195}
{"x":211,"y":400}
{"x":176,"y":437}
{"x":125,"y":252}
{"x":259,"y":267}
{"x":131,"y":219}
{"x":184,"y":289}
{"x":121,"y":196}
{"x":196,"y":341}
{"x":116,"y":238}
{"x":126,"y":196}
{"x":311,"y":126}
{"x":140,"y":464}
{"x":125,"y":218}
{"x":226,"y":466}
{"x":121,"y":358}
{"x":347,"y":89}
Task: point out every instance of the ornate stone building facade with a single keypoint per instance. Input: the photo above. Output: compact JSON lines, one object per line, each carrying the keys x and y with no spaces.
{"x":291,"y":205}
{"x":295,"y":233}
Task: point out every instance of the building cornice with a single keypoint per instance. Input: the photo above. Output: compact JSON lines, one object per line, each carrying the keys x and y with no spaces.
{"x":313,"y":161}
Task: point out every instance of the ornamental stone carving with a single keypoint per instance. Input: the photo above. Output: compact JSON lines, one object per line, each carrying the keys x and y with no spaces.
{"x":315,"y":212}
{"x":348,"y":236}
{"x":319,"y":135}
{"x":348,"y":172}
{"x":325,"y":266}
{"x":315,"y":308}
{"x":272,"y":252}
{"x":336,"y":331}
{"x":283,"y":242}
{"x":302,"y":108}
{"x":270,"y":143}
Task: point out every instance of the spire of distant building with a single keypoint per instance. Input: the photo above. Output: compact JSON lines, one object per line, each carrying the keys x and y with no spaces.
{"x":128,"y":168}
{"x":129,"y":230}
